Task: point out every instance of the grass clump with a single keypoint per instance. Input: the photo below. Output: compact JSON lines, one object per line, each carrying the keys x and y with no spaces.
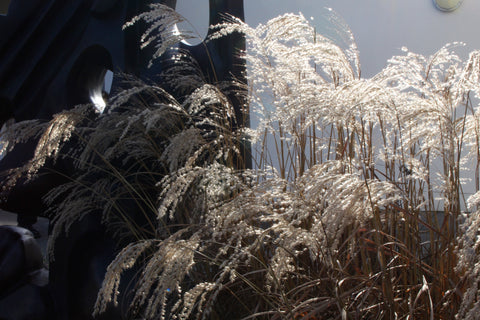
{"x":355,"y":207}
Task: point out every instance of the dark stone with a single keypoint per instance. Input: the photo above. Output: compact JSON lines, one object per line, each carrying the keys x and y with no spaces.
{"x":20,"y":256}
{"x":27,"y":302}
{"x":76,"y":274}
{"x":23,"y":278}
{"x":52,"y":53}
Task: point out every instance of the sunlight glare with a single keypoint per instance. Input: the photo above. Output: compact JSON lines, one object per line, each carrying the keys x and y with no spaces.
{"x":97,"y":100}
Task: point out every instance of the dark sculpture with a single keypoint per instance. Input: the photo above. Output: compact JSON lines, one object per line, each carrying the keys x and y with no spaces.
{"x":53,"y":54}
{"x":23,"y":278}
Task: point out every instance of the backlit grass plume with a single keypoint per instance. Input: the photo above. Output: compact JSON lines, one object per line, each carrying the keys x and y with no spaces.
{"x":355,"y":208}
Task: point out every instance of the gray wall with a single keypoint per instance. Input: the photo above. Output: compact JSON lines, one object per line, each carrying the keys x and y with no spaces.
{"x":381,"y":27}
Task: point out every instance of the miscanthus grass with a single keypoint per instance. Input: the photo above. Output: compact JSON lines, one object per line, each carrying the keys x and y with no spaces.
{"x":355,"y":208}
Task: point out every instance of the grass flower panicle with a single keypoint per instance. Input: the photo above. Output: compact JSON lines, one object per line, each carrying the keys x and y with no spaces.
{"x":355,"y":207}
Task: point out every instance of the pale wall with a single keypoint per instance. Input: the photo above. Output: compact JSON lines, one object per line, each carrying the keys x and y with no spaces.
{"x":381,"y":27}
